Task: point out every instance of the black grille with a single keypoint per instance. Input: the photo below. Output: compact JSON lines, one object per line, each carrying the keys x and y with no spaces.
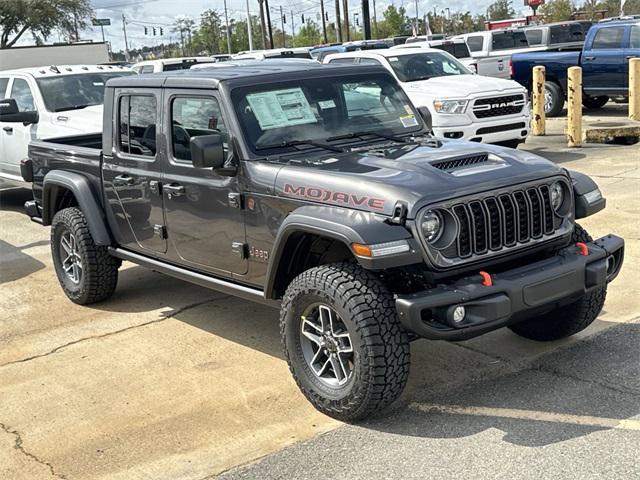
{"x":495,"y":106}
{"x":461,"y":162}
{"x":500,"y":128}
{"x":504,"y":221}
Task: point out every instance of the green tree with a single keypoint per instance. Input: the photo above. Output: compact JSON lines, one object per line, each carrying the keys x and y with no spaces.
{"x":308,"y":35}
{"x":557,"y":10}
{"x":206,"y":40}
{"x":631,"y":7}
{"x":500,"y":10}
{"x":41,"y":18}
{"x":184,"y":27}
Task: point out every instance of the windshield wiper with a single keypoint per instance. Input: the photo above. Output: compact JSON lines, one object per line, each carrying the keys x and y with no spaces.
{"x":72,"y":107}
{"x":295,"y":143}
{"x":386,"y":136}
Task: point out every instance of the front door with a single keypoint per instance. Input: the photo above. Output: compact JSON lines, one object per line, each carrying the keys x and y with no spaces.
{"x":602,"y":64}
{"x":132,"y":173}
{"x":16,"y":136}
{"x":205,"y":221}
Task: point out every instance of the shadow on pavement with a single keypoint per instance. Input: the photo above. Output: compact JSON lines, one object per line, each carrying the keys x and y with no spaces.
{"x":14,"y":264}
{"x":12,"y":199}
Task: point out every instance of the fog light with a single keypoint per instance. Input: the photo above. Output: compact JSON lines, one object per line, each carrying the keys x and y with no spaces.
{"x":458,"y":314}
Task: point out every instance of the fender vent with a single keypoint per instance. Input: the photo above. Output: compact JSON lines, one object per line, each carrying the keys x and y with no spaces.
{"x":453,"y":164}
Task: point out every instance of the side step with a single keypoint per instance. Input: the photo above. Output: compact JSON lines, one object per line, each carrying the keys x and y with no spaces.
{"x":224,"y":286}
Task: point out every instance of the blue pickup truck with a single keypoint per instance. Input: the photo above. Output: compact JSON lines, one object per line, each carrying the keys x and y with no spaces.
{"x":604,"y":59}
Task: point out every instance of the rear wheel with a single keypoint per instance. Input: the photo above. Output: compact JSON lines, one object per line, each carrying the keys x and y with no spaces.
{"x":594,"y":102}
{"x":344,"y":344}
{"x":86,"y":271}
{"x":569,"y":319}
{"x":553,"y":99}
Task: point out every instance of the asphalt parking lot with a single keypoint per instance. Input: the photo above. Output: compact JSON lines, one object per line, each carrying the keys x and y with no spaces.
{"x":172,"y":381}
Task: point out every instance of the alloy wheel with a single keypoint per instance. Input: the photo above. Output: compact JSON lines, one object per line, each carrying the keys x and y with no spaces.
{"x":71,"y":261}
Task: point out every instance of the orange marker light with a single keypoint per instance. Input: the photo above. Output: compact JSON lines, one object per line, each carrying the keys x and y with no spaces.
{"x":361,"y":250}
{"x":584,"y":250}
{"x":486,"y":279}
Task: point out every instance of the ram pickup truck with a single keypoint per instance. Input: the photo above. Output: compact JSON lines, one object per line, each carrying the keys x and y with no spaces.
{"x":604,"y":59}
{"x":558,"y":36}
{"x":282,"y":185}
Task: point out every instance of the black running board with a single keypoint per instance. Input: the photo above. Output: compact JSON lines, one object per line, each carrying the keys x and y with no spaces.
{"x":224,"y":286}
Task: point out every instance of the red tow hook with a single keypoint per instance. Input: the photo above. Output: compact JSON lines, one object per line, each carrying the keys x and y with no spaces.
{"x":584,"y":250}
{"x":486,"y":279}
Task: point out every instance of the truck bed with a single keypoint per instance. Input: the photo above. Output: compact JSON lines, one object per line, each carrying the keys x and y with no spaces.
{"x":555,"y":63}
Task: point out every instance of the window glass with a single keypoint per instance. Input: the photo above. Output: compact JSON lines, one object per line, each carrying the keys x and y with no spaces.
{"x":3,"y":87}
{"x":369,"y":61}
{"x":634,"y":40}
{"x":571,"y":32}
{"x":475,"y":43}
{"x":508,"y":40}
{"x":425,"y":65}
{"x":146,"y":69}
{"x":342,"y":60}
{"x":534,"y":36}
{"x":610,"y":37}
{"x":457,"y":49}
{"x":21,"y":93}
{"x":192,"y":117}
{"x":138,"y":125}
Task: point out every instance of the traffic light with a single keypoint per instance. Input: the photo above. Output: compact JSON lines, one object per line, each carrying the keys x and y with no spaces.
{"x":302,"y":16}
{"x":154,"y":31}
{"x":284,"y":19}
{"x":161,"y":31}
{"x":326,"y":16}
{"x":145,"y":30}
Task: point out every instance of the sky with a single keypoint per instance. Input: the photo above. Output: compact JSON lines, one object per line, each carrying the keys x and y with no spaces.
{"x":163,"y":13}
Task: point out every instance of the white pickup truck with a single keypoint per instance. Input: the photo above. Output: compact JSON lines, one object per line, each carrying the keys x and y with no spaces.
{"x":63,"y":100}
{"x":462,"y":105}
{"x":492,"y":49}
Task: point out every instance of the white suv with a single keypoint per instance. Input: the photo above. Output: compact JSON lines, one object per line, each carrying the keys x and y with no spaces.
{"x":462,"y":105}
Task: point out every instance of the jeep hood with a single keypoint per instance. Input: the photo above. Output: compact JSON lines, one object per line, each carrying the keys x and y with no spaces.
{"x":375,"y":179}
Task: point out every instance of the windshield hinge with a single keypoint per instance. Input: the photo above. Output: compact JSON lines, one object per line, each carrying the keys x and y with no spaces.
{"x":399,"y":215}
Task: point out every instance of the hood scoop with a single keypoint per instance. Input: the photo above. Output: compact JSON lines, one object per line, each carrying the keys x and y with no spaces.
{"x":469,"y":164}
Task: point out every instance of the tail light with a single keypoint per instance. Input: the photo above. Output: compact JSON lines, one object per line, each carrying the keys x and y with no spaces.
{"x":510,"y":68}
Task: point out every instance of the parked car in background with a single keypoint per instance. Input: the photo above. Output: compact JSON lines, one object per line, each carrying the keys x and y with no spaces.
{"x":458,"y":48}
{"x":320,"y":52}
{"x":169,"y":64}
{"x":558,"y":36}
{"x":462,"y":105}
{"x":426,"y":38}
{"x":274,"y":53}
{"x":604,"y":60}
{"x":492,"y":49}
{"x":61,"y":100}
{"x":80,"y":53}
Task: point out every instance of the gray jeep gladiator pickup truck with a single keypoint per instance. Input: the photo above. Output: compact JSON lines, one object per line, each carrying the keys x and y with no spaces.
{"x":321,"y":191}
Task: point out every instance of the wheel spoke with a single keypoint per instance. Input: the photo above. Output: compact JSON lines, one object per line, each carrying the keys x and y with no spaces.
{"x":64,"y":242}
{"x":325,"y":317}
{"x":344,"y":343}
{"x":312,"y":336}
{"x":338,"y":369}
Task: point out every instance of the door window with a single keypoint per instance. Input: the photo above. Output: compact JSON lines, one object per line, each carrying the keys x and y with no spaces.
{"x":634,"y":40}
{"x":3,"y":87}
{"x":137,"y":125}
{"x":21,"y":93}
{"x":534,"y":36}
{"x":508,"y":39}
{"x":192,"y":117}
{"x":608,"y":38}
{"x":475,"y":43}
{"x":368,"y":61}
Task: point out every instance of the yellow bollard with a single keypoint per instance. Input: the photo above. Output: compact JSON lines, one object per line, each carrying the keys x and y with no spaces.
{"x":574,"y":107}
{"x":538,"y":120}
{"x":634,"y":89}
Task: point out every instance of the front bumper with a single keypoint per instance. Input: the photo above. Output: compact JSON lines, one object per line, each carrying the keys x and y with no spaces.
{"x":514,"y":295}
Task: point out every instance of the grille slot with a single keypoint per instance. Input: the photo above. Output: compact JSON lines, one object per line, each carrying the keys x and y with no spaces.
{"x":498,"y":106}
{"x":461,"y":162}
{"x":504,"y":221}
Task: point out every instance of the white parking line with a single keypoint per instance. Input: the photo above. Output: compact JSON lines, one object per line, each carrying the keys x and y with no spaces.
{"x":535,"y":415}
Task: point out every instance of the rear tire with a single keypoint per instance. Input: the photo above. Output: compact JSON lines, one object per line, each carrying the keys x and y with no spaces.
{"x":372,"y":346}
{"x":553,"y":99}
{"x":569,"y":319}
{"x":593,"y":103}
{"x":86,"y":271}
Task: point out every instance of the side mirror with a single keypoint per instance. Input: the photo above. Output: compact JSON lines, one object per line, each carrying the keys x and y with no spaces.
{"x":426,"y":117}
{"x":9,"y":112}
{"x":207,"y":151}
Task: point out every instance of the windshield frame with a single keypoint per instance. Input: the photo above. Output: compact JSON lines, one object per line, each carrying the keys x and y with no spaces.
{"x":236,"y":93}
{"x":446,"y":55}
{"x":47,"y":100}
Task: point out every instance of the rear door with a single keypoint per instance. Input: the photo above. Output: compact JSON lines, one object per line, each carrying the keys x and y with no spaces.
{"x":132,"y":173}
{"x":203,"y":210}
{"x":604,"y":69}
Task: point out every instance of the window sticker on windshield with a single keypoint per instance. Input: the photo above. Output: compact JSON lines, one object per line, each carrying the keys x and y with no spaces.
{"x":408,"y":121}
{"x":281,"y":108}
{"x":326,"y":104}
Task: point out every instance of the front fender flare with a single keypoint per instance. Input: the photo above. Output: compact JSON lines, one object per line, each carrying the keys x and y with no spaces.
{"x":582,"y":185}
{"x":346,"y":226}
{"x":87,"y":200}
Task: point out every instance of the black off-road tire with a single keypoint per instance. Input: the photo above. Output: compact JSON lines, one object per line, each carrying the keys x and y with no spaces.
{"x":569,"y":319}
{"x":557,"y":99}
{"x":593,"y":103}
{"x":99,"y":269}
{"x":381,"y":347}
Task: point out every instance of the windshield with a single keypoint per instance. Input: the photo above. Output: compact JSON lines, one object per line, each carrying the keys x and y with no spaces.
{"x":458,"y":50}
{"x":73,"y":92}
{"x":425,"y":65}
{"x":278,"y":118}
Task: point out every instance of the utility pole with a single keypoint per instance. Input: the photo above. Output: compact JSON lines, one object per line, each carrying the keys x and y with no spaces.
{"x":293,"y":28}
{"x":338,"y":25}
{"x":375,"y":19}
{"x":126,"y":44}
{"x":249,"y":27}
{"x":366,"y":21}
{"x":417,"y":17}
{"x":345,"y":10}
{"x":226,"y":21}
{"x":182,"y":40}
{"x":263,"y":25}
{"x":270,"y":30}
{"x":284,"y":35}
{"x":324,"y":23}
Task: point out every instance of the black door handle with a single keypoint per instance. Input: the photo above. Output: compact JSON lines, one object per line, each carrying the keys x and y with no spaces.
{"x":589,"y":58}
{"x":173,"y":190}
{"x":8,"y":129}
{"x":123,"y":180}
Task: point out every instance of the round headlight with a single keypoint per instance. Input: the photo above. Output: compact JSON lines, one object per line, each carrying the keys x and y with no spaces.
{"x":431,"y":226}
{"x":557,"y":195}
